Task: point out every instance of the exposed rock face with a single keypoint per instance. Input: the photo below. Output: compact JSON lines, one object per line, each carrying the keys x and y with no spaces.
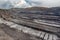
{"x":34,"y":12}
{"x":30,"y":14}
{"x":26,"y":17}
{"x":5,"y":14}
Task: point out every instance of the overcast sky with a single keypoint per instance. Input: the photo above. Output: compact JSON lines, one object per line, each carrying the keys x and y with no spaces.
{"x":23,"y":3}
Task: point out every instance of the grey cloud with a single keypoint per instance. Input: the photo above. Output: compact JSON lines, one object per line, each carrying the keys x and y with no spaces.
{"x":41,"y":3}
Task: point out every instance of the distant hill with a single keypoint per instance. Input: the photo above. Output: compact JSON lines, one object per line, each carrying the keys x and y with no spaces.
{"x":31,"y":9}
{"x":38,"y":10}
{"x":34,"y":12}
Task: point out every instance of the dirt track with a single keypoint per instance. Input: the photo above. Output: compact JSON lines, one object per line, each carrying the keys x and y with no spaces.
{"x":13,"y":34}
{"x":4,"y":36}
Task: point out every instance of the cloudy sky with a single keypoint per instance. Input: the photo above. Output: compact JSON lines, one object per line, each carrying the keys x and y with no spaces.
{"x":29,"y":3}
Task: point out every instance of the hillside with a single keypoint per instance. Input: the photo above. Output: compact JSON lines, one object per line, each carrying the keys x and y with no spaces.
{"x":34,"y":12}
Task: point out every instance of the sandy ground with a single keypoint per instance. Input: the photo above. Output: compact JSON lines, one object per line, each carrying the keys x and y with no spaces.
{"x":4,"y":36}
{"x":7,"y":33}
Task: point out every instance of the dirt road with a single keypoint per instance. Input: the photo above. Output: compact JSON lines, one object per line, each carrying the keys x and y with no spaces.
{"x":7,"y":33}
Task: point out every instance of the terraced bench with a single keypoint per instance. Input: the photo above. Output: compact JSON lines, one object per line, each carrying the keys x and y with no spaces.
{"x":38,"y":33}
